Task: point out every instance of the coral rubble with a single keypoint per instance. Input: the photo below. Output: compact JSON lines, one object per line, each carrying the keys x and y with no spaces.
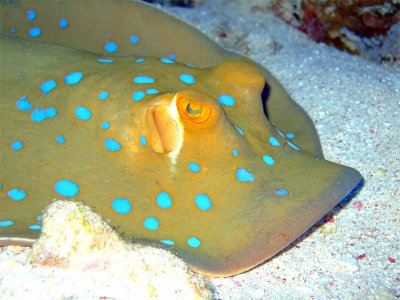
{"x":366,"y":27}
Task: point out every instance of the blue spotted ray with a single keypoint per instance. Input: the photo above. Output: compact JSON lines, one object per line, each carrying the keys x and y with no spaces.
{"x":168,"y":136}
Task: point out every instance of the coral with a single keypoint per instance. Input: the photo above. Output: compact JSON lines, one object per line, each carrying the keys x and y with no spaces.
{"x":181,"y":3}
{"x":75,"y":237}
{"x":352,"y":25}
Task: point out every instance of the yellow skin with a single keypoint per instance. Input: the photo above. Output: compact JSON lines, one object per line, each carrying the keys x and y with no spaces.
{"x":248,"y":220}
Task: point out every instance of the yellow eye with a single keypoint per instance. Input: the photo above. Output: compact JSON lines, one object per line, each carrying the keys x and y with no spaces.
{"x":197,"y":111}
{"x":194,"y":111}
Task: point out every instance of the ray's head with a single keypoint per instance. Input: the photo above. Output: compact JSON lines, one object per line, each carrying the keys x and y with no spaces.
{"x":241,"y":188}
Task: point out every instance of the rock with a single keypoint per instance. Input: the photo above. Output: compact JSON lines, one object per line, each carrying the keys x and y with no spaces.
{"x":75,"y":237}
{"x":323,"y":280}
{"x":348,"y":263}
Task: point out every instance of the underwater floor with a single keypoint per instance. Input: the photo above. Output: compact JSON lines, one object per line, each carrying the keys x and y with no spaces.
{"x":355,"y":105}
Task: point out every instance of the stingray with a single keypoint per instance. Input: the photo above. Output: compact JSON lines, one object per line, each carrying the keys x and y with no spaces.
{"x":166,"y":135}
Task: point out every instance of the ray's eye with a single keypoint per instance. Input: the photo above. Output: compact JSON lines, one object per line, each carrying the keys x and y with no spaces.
{"x":194,"y":111}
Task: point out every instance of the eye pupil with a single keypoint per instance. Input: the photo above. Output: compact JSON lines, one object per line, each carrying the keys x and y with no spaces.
{"x":193,"y":111}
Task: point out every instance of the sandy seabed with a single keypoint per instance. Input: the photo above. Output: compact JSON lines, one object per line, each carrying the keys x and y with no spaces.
{"x":355,"y":106}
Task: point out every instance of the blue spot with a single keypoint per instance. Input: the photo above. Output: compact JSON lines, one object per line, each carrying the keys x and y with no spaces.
{"x":268,"y":160}
{"x":151,"y":223}
{"x":244,"y":176}
{"x":167,"y":242}
{"x":137,"y":96}
{"x":166,"y":60}
{"x":38,"y":115}
{"x":60,"y":139}
{"x":203,"y":202}
{"x":143,"y":80}
{"x":151,"y":91}
{"x":172,"y":56}
{"x":226,"y":100}
{"x":23,"y":104}
{"x":35,"y":227}
{"x":290,"y":135}
{"x":121,"y":206}
{"x":105,"y":60}
{"x":50,"y":112}
{"x":194,"y":242}
{"x":35,"y":32}
{"x":16,"y":194}
{"x":63,"y":23}
{"x":194,"y":167}
{"x":66,"y":188}
{"x":103,"y":95}
{"x":111,"y":47}
{"x":164,"y":200}
{"x":48,"y":86}
{"x":293,"y":146}
{"x":105,"y":125}
{"x":139,"y":60}
{"x":39,"y":218}
{"x":83,"y":113}
{"x":134,"y":39}
{"x":73,"y":78}
{"x":143,"y":140}
{"x":273,"y":141}
{"x":235,"y":152}
{"x":17,"y":145}
{"x":20,"y":74}
{"x":112,"y":145}
{"x":280,"y":132}
{"x":281,"y":192}
{"x":13,"y":30}
{"x":6,"y":223}
{"x":239,"y":130}
{"x":31,"y":15}
{"x":1,"y":186}
{"x":187,"y":78}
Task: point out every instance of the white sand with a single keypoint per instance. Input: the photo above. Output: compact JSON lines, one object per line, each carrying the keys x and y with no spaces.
{"x":355,"y":106}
